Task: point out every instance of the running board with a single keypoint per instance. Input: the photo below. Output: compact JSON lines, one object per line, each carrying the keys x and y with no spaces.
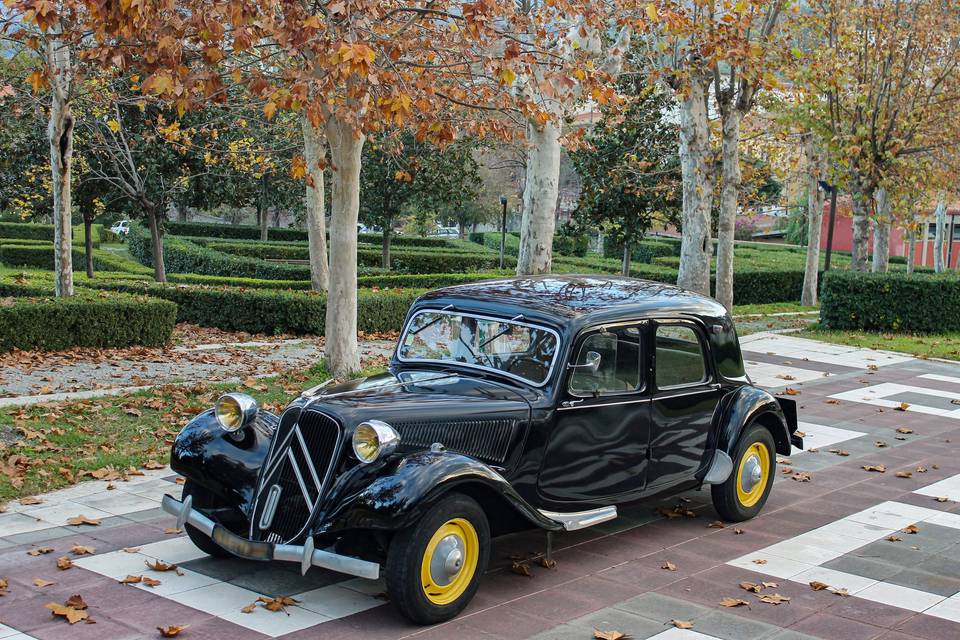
{"x":581,"y":519}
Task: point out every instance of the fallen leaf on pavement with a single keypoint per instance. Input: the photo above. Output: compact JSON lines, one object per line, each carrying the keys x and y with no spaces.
{"x":669,"y":566}
{"x":879,"y":468}
{"x":72,"y":615}
{"x":816,"y":585}
{"x":682,"y":624}
{"x":903,"y":406}
{"x":521,"y":569}
{"x":716,"y":524}
{"x":160,"y":565}
{"x":840,"y":592}
{"x":547,"y":563}
{"x":910,"y":529}
{"x":941,"y":498}
{"x":28,"y":500}
{"x":150,"y":582}
{"x":904,"y":474}
{"x":759,"y":561}
{"x":249,"y":608}
{"x":40,"y":582}
{"x":172,"y":531}
{"x":609,"y":635}
{"x":131,"y":580}
{"x":801,"y":476}
{"x":81,"y":550}
{"x":82,"y":519}
{"x":172,"y":631}
{"x":904,"y":429}
{"x":751,"y":586}
{"x":774,"y":598}
{"x":64,"y":562}
{"x":36,"y":551}
{"x":734,"y":602}
{"x":279,"y":603}
{"x":894,"y":538}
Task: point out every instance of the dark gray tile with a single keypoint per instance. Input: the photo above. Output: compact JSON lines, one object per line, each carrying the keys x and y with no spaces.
{"x":43,"y":535}
{"x":615,"y":619}
{"x":900,"y":553}
{"x":866,"y":567}
{"x":934,"y":583}
{"x":733,"y":627}
{"x":661,"y":608}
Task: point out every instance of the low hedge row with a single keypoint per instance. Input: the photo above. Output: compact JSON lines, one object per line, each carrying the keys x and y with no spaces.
{"x":387,"y":281}
{"x":34,"y":231}
{"x":85,"y":321}
{"x":563,"y":245}
{"x":644,"y":251}
{"x":271,"y":310}
{"x":235,"y":231}
{"x":894,"y":301}
{"x":40,"y":256}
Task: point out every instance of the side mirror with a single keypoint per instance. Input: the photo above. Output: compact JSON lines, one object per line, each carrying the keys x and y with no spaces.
{"x":591,"y":363}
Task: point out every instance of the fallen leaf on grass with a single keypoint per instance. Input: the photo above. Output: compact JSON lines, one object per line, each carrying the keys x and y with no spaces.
{"x":521,"y":569}
{"x":153,"y":465}
{"x":682,"y":624}
{"x":774,"y":598}
{"x":36,"y":551}
{"x":171,"y":631}
{"x":609,"y":635}
{"x":816,"y":585}
{"x":64,"y":562}
{"x":40,"y":582}
{"x":669,"y":566}
{"x":734,"y":602}
{"x":879,"y":468}
{"x":82,"y":519}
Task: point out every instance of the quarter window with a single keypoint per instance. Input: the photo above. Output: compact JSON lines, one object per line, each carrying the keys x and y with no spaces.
{"x":680,"y":358}
{"x":619,"y":367}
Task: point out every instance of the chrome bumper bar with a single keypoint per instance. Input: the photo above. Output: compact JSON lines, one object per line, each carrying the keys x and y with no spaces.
{"x":306,"y":555}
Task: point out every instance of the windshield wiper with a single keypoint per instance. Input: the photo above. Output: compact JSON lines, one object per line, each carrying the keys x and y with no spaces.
{"x":432,"y":322}
{"x":502,"y":332}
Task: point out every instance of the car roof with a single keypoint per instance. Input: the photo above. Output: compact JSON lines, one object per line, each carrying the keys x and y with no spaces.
{"x":574,"y":299}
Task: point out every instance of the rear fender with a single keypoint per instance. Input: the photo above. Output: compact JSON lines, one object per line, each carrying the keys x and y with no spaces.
{"x":750,"y":404}
{"x":404,"y":489}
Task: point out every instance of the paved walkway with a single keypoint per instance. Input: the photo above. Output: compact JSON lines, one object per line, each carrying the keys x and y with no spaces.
{"x":883,"y":549}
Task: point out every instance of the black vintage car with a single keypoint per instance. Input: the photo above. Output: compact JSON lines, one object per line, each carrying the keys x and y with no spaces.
{"x":531,"y":402}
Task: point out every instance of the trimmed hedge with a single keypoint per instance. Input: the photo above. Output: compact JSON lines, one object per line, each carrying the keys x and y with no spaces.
{"x":563,"y":245}
{"x":85,"y":321}
{"x":235,"y":231}
{"x":894,"y":301}
{"x":33,"y":231}
{"x":644,"y":251}
{"x":416,"y":281}
{"x":40,"y":256}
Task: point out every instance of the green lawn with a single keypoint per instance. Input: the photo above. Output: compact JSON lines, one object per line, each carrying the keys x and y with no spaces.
{"x":944,"y":345}
{"x":771,"y":308}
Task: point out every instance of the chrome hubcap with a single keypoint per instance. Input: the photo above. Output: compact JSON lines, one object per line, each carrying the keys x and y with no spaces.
{"x":447,"y":560}
{"x":752,"y":474}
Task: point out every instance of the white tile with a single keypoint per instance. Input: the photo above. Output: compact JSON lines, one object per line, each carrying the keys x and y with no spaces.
{"x":220,"y":599}
{"x":334,"y":601}
{"x":827,"y":540}
{"x":369,"y":587}
{"x":114,"y":564}
{"x":775,"y":566}
{"x":765,"y":374}
{"x":171,"y":583}
{"x":816,"y":351}
{"x":806,"y":553}
{"x":948,"y":609}
{"x":857,"y":530}
{"x":897,"y":596}
{"x":818,"y":436}
{"x":937,"y":376}
{"x":681,"y":634}
{"x":948,"y":487}
{"x":944,"y":519}
{"x":275,"y":623}
{"x":892,"y":515}
{"x":175,"y":550}
{"x":6,"y":632}
{"x":13,"y":523}
{"x":836,"y":579}
{"x":117,"y":503}
{"x":876,"y":395}
{"x":58,"y":514}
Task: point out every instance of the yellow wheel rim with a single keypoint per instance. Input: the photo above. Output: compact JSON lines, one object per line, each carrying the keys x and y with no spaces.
{"x":752,"y":474}
{"x":449,"y":561}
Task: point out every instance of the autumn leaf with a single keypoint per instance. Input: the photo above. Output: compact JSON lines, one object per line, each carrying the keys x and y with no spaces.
{"x":894,"y":538}
{"x":682,"y":624}
{"x":903,"y":406}
{"x":774,"y":598}
{"x":36,"y":551}
{"x":734,"y":602}
{"x":941,"y":498}
{"x":816,"y":585}
{"x":547,"y":563}
{"x":82,"y":519}
{"x":41,"y":583}
{"x":3,"y":587}
{"x":280,"y":603}
{"x":751,"y":586}
{"x":72,"y":615}
{"x":759,"y":561}
{"x":64,"y":562}
{"x":669,"y":566}
{"x":904,"y":430}
{"x":507,"y":76}
{"x":159,"y":565}
{"x":30,"y":500}
{"x":171,"y":631}
{"x":904,"y":474}
{"x":911,"y":529}
{"x":521,"y":569}
{"x":81,"y":550}
{"x":879,"y":468}
{"x":131,"y":579}
{"x":150,"y":582}
{"x":716,"y":524}
{"x":609,"y":635}
{"x":801,"y":476}
{"x":250,"y":608}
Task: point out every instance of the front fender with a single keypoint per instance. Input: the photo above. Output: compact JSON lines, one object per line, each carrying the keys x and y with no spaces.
{"x":748,"y":404}
{"x":226,"y":466}
{"x":405,"y":488}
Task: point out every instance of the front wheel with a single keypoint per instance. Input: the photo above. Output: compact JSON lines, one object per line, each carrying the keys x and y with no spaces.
{"x":202,"y":498}
{"x":744,"y":493}
{"x":434,"y":567}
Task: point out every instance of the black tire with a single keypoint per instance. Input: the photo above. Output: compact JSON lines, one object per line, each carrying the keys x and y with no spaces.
{"x":730,"y":499}
{"x":407,"y":554}
{"x":202,"y":498}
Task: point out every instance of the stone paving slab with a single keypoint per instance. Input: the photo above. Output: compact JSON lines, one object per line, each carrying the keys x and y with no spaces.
{"x":831,"y":528}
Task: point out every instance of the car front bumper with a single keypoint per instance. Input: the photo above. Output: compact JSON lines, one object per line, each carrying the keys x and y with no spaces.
{"x":305,"y":554}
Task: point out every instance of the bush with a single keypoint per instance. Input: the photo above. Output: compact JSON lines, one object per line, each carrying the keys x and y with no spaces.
{"x":918,"y":302}
{"x":234,"y":231}
{"x":388,"y":281}
{"x":644,"y":251}
{"x":40,"y":256}
{"x":269,"y":310}
{"x":32,"y":231}
{"x":491,"y":240}
{"x":85,"y":321}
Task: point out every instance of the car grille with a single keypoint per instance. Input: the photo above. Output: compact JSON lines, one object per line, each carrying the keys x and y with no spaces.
{"x":487,"y":440}
{"x":296,"y":473}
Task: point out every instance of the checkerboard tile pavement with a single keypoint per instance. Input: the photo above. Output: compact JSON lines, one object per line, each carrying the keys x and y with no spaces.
{"x":607,"y":577}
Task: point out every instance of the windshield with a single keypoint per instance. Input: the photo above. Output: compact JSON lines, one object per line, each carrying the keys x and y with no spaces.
{"x":515,"y":348}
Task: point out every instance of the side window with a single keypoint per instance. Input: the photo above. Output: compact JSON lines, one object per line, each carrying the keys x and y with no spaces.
{"x":618,"y":370}
{"x":680,"y":358}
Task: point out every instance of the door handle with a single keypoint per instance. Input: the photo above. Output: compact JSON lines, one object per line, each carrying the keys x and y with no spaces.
{"x":570,"y":403}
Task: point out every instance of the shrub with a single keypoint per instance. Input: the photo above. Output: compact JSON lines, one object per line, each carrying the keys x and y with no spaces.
{"x":491,"y":240}
{"x":40,"y":256}
{"x":32,"y":231}
{"x":644,"y":251}
{"x":388,"y":281}
{"x":918,"y":302}
{"x":235,"y":231}
{"x":85,"y":321}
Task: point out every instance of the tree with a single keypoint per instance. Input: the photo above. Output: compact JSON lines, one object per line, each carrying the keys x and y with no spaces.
{"x":399,"y":172}
{"x":629,"y":168}
{"x":816,"y":170}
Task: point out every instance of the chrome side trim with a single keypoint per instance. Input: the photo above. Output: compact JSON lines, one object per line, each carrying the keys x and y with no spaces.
{"x":605,"y":404}
{"x":581,"y":519}
{"x":305,"y":555}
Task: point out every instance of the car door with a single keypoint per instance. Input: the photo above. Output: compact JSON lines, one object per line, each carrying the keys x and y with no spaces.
{"x":685,"y":397}
{"x":598,"y":447}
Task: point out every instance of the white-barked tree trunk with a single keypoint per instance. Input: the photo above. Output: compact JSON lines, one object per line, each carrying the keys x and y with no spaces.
{"x":729,"y":195}
{"x":313,"y":153}
{"x":695,"y":246}
{"x":60,"y":134}
{"x":941,"y":222}
{"x":881,"y":233}
{"x":540,"y":194}
{"x":816,"y":170}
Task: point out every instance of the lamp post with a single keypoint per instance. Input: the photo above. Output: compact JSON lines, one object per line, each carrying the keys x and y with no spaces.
{"x":832,"y":190}
{"x":503,"y":226}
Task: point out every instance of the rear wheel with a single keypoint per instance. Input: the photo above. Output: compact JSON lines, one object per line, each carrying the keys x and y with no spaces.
{"x":744,"y":493}
{"x":202,"y":499}
{"x":434,"y":567}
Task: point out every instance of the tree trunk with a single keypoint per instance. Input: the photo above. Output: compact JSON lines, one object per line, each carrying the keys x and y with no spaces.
{"x":626,"y":258}
{"x":729,"y":194}
{"x":387,"y":235}
{"x":911,"y":249}
{"x":881,"y":233}
{"x":540,"y":195}
{"x":941,"y":218}
{"x":182,"y":212}
{"x":60,"y":133}
{"x":316,"y":222}
{"x":341,"y":351}
{"x":816,"y":169}
{"x":862,"y":201}
{"x":695,"y":246}
{"x":156,"y":242}
{"x":262,"y":208}
{"x":88,"y":244}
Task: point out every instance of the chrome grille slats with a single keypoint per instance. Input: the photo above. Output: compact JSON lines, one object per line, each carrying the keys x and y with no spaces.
{"x":487,"y":440}
{"x":300,"y":462}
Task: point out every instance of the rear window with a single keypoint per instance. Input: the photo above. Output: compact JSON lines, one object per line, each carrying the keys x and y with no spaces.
{"x":680,"y":357}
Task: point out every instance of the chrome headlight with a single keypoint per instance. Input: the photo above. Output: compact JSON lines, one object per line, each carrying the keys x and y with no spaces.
{"x":235,"y":411}
{"x":372,"y":439}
